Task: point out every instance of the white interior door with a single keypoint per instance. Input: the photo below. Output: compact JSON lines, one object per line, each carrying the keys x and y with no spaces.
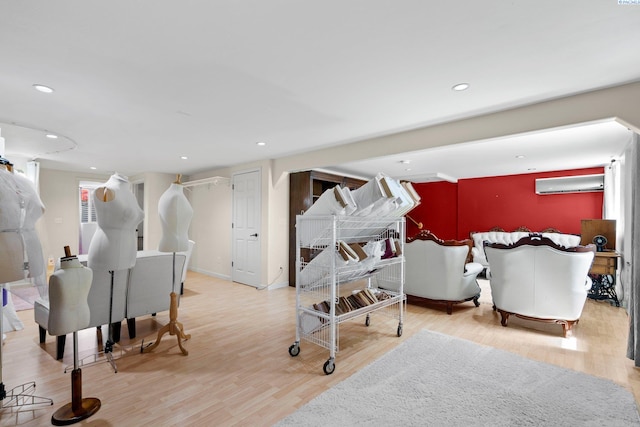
{"x":245,"y":260}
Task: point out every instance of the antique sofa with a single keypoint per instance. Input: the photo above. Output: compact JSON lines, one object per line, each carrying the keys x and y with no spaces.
{"x":498,"y":235}
{"x":536,"y":279}
{"x":437,"y":271}
{"x":143,"y":289}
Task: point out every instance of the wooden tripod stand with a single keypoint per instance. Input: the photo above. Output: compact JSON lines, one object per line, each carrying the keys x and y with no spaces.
{"x":173,"y":327}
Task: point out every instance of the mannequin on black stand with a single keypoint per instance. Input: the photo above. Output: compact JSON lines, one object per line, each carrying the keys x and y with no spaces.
{"x":175,"y":215}
{"x":114,"y":245}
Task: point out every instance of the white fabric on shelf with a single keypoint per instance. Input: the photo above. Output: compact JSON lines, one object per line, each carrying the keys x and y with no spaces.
{"x":320,"y":266}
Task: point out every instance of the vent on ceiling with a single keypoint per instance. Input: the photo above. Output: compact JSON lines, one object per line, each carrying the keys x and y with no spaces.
{"x":570,"y":184}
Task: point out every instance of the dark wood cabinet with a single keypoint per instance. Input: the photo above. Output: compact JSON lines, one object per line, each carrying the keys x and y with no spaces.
{"x":304,"y":189}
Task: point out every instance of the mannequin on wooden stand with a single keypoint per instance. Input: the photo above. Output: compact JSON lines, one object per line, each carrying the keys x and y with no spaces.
{"x":68,"y":290}
{"x":175,"y":216}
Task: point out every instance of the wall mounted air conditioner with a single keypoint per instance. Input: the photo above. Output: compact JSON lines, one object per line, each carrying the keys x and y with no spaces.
{"x":570,"y":184}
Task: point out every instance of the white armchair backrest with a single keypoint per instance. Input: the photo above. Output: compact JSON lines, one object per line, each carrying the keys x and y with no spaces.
{"x":435,"y":271}
{"x":539,"y":281}
{"x":509,"y":238}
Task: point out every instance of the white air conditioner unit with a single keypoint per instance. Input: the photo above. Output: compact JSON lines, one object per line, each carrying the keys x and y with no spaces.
{"x":570,"y":184}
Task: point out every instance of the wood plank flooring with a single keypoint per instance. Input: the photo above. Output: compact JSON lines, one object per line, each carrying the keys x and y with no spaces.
{"x":239,"y":372}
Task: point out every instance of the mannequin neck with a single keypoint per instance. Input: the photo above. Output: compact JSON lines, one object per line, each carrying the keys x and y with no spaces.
{"x":71,"y":262}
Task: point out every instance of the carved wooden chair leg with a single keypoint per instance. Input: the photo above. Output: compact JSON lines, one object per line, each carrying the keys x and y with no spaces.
{"x":505,"y":318}
{"x":567,"y":327}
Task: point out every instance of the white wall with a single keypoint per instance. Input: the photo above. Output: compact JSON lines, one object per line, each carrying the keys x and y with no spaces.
{"x":211,"y":229}
{"x":60,"y":224}
{"x":278,"y":230}
{"x":155,"y":184}
{"x":215,"y":258}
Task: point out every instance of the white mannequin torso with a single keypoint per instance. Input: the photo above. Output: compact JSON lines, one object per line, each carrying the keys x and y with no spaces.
{"x":114,"y":245}
{"x":68,"y":291}
{"x":175,"y":216}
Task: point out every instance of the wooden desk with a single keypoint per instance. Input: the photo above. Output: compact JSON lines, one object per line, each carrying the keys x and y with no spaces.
{"x":603,"y":274}
{"x":605,"y":262}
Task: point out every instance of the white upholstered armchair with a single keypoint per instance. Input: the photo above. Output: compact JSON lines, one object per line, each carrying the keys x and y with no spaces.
{"x":439,"y":271}
{"x":536,"y":279}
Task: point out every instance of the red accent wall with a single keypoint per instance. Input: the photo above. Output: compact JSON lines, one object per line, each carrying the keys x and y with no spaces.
{"x":452,"y":211}
{"x":437,"y":211}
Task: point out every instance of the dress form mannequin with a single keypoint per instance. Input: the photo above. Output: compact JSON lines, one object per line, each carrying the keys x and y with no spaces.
{"x":20,"y":252}
{"x":68,"y":291}
{"x":175,"y":213}
{"x":114,"y":244}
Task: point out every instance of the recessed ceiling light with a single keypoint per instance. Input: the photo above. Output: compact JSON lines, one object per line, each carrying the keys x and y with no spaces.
{"x":93,"y":167}
{"x":184,"y":157}
{"x":460,"y":86}
{"x":52,"y":136}
{"x":520,"y":156}
{"x":405,"y":162}
{"x":261,"y":144}
{"x":407,"y":169}
{"x":42,"y":88}
{"x":531,"y":169}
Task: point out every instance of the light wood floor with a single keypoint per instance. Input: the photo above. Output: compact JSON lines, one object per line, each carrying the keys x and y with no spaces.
{"x":239,"y":372}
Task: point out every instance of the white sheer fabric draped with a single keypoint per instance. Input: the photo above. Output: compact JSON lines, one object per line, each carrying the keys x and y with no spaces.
{"x":631,"y":258}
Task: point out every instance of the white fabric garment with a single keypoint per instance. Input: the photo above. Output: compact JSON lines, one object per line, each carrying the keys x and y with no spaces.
{"x":10,"y":319}
{"x":175,"y":217}
{"x":319,"y":267}
{"x":368,"y":196}
{"x":114,"y":244}
{"x":20,"y":208}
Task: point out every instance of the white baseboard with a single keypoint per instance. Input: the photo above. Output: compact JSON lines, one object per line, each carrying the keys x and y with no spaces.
{"x":211,"y":273}
{"x":225,"y":277}
{"x":278,"y":285}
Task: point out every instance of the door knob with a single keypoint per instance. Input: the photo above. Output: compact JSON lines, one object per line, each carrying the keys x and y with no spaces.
{"x":254,"y":235}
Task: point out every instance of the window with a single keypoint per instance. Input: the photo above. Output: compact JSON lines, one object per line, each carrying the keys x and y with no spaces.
{"x":87,"y":210}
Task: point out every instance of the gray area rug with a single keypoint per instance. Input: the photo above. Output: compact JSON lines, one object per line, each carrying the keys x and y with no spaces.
{"x":23,"y":297}
{"x":436,"y":380}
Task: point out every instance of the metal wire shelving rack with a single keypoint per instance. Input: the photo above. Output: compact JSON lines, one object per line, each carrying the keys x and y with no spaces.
{"x":324,"y":279}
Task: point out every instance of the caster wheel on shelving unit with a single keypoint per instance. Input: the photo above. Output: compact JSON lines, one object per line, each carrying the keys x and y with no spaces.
{"x":329,"y":367}
{"x":294,"y":350}
{"x":399,"y":330}
{"x":367,"y":321}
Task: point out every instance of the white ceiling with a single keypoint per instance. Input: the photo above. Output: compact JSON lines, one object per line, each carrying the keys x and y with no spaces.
{"x":588,"y":145}
{"x":139,"y":84}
